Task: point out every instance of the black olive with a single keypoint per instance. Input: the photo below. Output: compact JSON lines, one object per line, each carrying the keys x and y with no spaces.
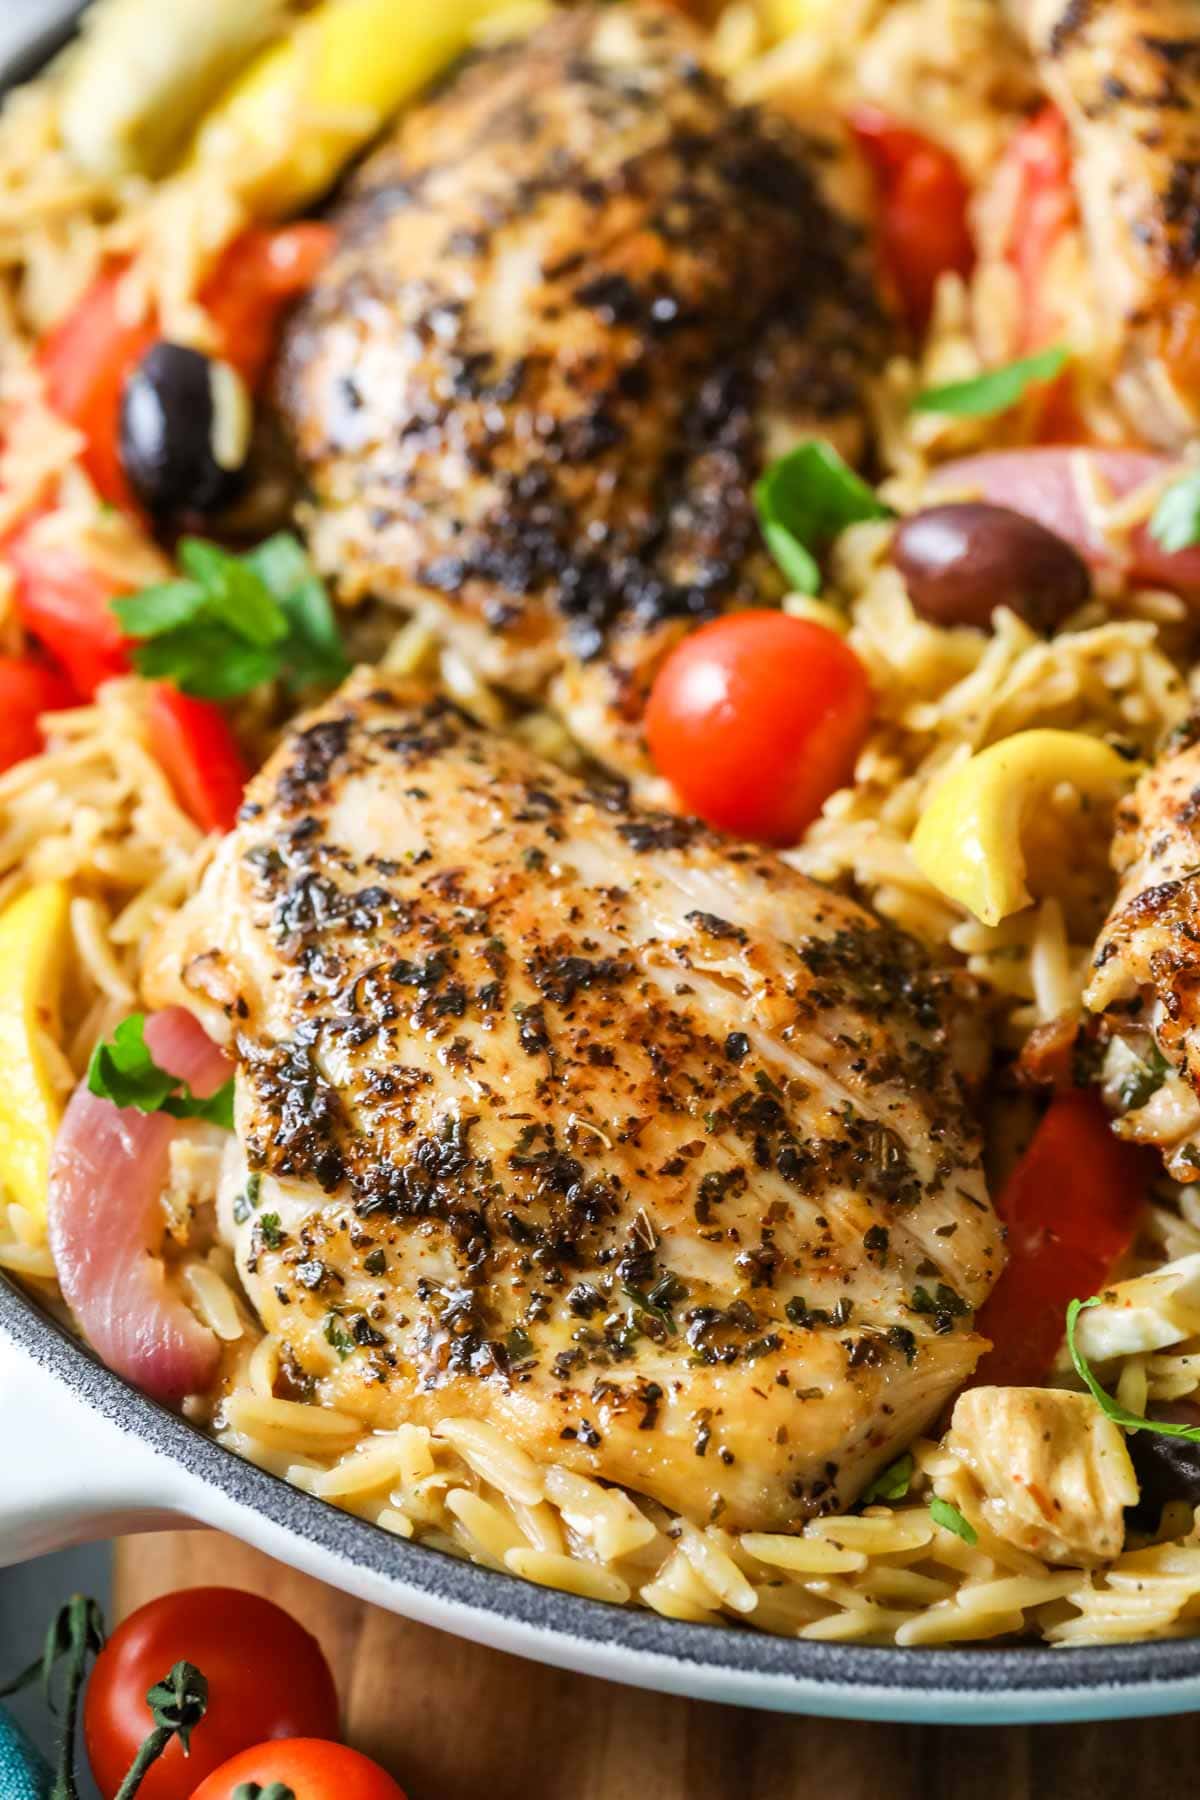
{"x":186,"y":422}
{"x":960,"y":562}
{"x":1167,"y":1468}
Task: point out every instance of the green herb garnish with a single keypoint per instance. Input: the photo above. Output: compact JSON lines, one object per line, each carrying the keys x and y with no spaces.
{"x":1112,"y":1409}
{"x":1175,"y":521}
{"x":942,"y":1513}
{"x":271,"y":1231}
{"x":123,"y":1070}
{"x":996,"y":390}
{"x":891,"y":1483}
{"x":231,"y":622}
{"x":337,"y":1337}
{"x":1135,"y":1088}
{"x":804,"y":500}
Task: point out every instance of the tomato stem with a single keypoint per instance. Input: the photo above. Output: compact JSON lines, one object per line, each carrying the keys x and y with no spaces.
{"x":75,"y":1633}
{"x":177,"y":1706}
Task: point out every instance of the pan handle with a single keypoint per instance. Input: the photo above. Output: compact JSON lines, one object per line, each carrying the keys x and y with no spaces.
{"x":67,"y":1473}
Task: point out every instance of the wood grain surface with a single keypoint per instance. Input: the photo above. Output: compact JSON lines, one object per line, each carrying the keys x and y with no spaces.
{"x":456,"y":1722}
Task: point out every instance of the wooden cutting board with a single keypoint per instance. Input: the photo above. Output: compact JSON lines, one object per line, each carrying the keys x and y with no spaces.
{"x":457,"y":1722}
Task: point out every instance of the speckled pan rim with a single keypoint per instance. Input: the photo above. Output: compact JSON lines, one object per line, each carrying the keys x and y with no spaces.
{"x":1167,"y":1672}
{"x":414,"y":1569}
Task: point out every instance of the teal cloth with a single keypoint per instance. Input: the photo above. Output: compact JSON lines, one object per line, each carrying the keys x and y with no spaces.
{"x":24,"y":1775}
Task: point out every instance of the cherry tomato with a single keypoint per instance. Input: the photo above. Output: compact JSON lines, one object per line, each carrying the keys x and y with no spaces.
{"x":27,"y":689}
{"x":923,"y":199}
{"x":65,"y":605}
{"x":756,"y":719}
{"x":309,"y":1768}
{"x":193,"y":742}
{"x":1071,"y":1206}
{"x":266,"y":1678}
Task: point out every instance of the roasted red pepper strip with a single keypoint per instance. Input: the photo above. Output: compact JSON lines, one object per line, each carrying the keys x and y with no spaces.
{"x":1071,"y":1206}
{"x":27,"y":689}
{"x":86,"y":359}
{"x":923,"y":197}
{"x":199,"y":753}
{"x":1044,"y":209}
{"x":66,"y":606}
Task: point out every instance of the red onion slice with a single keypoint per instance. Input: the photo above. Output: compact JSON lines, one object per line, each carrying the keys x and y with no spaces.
{"x":1044,"y":484}
{"x":107,"y":1175}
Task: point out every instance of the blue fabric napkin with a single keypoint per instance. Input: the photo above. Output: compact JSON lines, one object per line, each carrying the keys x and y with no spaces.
{"x":24,"y":1775}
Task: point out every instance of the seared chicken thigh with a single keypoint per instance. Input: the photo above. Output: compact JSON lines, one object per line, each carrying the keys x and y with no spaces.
{"x":1126,"y":73}
{"x":1146,"y":975}
{"x":567,"y":1116}
{"x":577,"y":300}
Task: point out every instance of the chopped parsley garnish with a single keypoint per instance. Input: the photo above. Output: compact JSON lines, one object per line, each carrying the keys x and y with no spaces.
{"x":271,"y":1231}
{"x":1175,"y":521}
{"x":230,"y":623}
{"x":337,"y":1337}
{"x":949,"y":1517}
{"x":123,"y":1070}
{"x":891,"y":1483}
{"x":247,"y":1201}
{"x":1112,"y":1409}
{"x":518,"y":1346}
{"x":375,"y":1262}
{"x":658,"y":1302}
{"x":804,"y":500}
{"x":1136,"y":1087}
{"x":996,"y":390}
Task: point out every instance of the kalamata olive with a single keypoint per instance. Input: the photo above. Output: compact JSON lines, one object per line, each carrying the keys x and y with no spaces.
{"x":1167,"y":1468}
{"x":186,"y":422}
{"x":961,"y":561}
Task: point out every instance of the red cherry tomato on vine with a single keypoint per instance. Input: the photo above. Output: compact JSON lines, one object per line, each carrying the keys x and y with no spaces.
{"x":308,"y":1768}
{"x":756,"y":719}
{"x":266,"y":1678}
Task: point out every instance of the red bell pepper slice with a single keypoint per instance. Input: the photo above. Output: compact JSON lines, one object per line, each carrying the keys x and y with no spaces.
{"x":66,"y":606}
{"x":923,"y":198}
{"x":27,"y":690}
{"x":198,"y":751}
{"x":86,"y":359}
{"x":1071,"y":1206}
{"x":1045,"y":208}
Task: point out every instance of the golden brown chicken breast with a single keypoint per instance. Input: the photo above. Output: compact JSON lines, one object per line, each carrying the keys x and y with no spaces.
{"x":1126,"y":74}
{"x":1146,"y":978}
{"x":565,"y":1115}
{"x":577,"y":300}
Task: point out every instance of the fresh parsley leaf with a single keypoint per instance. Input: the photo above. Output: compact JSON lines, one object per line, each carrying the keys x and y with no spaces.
{"x":996,"y":390}
{"x":338,"y":1337}
{"x":1135,"y":1088}
{"x":270,"y":1230}
{"x":891,"y":1483}
{"x":1175,"y":521}
{"x":804,"y":500}
{"x":122,"y":1069}
{"x":942,"y":1513}
{"x":1120,"y":1415}
{"x":231,"y":623}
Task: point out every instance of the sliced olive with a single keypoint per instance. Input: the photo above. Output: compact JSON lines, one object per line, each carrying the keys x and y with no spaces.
{"x":1167,"y":1468}
{"x":961,"y":561}
{"x":186,"y":424}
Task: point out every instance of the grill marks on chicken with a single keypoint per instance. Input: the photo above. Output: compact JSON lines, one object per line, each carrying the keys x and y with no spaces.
{"x":573,"y":298}
{"x":566,"y":1116}
{"x":1127,"y":75}
{"x":1146,"y":975}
